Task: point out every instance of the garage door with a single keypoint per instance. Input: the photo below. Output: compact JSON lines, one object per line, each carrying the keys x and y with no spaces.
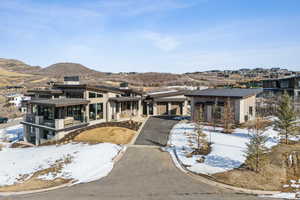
{"x":162,"y":108}
{"x":176,"y":109}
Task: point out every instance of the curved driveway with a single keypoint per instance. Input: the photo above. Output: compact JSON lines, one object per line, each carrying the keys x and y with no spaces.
{"x":142,"y":173}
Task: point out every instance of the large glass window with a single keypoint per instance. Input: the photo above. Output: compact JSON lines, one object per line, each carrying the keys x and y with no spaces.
{"x":284,"y":84}
{"x":99,"y":110}
{"x":251,"y":110}
{"x":46,"y":112}
{"x":92,"y":111}
{"x":76,"y":95}
{"x":92,"y":95}
{"x":95,"y":95}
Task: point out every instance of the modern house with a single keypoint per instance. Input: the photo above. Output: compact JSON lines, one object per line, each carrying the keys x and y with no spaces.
{"x":275,"y":87}
{"x":169,"y":103}
{"x":54,"y":112}
{"x":242,"y":103}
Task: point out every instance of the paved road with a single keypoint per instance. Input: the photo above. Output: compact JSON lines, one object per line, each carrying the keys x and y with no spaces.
{"x":156,"y":131}
{"x":143,"y":173}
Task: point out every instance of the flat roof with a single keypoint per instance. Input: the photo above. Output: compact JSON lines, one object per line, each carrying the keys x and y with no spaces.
{"x":62,"y":102}
{"x":225,"y":92}
{"x":124,"y":99}
{"x":167,"y":93}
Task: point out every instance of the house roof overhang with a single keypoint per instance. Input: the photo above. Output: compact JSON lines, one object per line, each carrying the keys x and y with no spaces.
{"x":59,"y":102}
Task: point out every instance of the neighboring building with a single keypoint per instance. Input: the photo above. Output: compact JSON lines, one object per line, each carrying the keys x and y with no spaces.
{"x":171,"y":102}
{"x":16,"y":101}
{"x":242,"y":102}
{"x":275,"y":87}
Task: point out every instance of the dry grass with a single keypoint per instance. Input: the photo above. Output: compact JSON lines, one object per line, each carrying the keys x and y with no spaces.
{"x":271,"y":177}
{"x":40,"y":80}
{"x":116,"y":135}
{"x":35,"y":183}
{"x":6,"y":73}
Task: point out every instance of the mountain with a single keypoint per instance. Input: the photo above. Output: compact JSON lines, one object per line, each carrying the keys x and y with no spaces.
{"x":60,"y":70}
{"x":17,"y":66}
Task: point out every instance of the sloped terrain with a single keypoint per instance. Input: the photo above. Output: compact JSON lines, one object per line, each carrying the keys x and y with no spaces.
{"x":18,"y":66}
{"x":60,"y":70}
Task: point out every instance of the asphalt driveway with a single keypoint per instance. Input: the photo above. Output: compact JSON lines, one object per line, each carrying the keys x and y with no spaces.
{"x":143,"y":173}
{"x":156,"y":131}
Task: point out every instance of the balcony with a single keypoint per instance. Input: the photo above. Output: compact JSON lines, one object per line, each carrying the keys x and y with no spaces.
{"x":67,"y":123}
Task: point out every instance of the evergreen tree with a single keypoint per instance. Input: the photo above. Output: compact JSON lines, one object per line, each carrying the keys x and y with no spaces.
{"x":286,"y":122}
{"x":256,"y":148}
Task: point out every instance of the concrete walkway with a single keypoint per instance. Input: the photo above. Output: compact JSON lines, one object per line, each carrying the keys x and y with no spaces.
{"x":141,"y":174}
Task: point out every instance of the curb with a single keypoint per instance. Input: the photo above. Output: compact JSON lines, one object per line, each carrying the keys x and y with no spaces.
{"x":209,"y":180}
{"x":138,"y":132}
{"x":35,"y":191}
{"x":5,"y":194}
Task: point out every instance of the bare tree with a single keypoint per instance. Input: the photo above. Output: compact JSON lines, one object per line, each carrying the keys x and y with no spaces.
{"x":216,"y":114}
{"x":202,"y":144}
{"x":228,"y":119}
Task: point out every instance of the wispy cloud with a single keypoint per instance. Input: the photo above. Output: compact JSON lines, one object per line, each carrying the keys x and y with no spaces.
{"x":140,"y":7}
{"x":163,"y":42}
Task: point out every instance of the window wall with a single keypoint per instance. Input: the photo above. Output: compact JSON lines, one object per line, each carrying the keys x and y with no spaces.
{"x":96,"y":111}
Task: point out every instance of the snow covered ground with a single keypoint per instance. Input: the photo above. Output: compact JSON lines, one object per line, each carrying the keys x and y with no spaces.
{"x":82,"y":162}
{"x":227,"y":149}
{"x":284,"y":195}
{"x":12,"y":134}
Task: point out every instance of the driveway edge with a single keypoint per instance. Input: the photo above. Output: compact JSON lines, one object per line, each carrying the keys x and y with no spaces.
{"x":138,"y":132}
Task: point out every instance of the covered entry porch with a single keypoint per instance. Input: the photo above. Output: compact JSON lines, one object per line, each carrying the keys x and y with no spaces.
{"x":125,"y":107}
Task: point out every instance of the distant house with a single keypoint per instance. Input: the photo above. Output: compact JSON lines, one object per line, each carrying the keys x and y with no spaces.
{"x":242,"y":103}
{"x":275,"y":87}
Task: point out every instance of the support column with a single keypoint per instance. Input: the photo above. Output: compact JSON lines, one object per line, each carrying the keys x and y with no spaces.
{"x":26,"y":135}
{"x":131,"y":108}
{"x":169,"y":108}
{"x":185,"y":108}
{"x":87,"y":113}
{"x":193,"y":109}
{"x":154,"y":108}
{"x":140,"y":108}
{"x":37,"y":136}
{"x":147,"y":107}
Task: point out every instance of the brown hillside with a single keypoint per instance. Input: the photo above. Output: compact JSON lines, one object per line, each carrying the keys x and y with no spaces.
{"x":69,"y":69}
{"x":17,"y":66}
{"x":151,"y":79}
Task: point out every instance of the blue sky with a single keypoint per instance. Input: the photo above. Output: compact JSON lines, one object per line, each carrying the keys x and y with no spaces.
{"x":152,"y":35}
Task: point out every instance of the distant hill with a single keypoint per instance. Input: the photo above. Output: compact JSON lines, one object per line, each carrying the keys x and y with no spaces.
{"x":151,"y":79}
{"x":59,"y":70}
{"x":17,"y":66}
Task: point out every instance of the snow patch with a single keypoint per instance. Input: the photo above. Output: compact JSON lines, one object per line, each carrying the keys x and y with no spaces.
{"x":88,"y":162}
{"x":227,"y":149}
{"x":12,"y":134}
